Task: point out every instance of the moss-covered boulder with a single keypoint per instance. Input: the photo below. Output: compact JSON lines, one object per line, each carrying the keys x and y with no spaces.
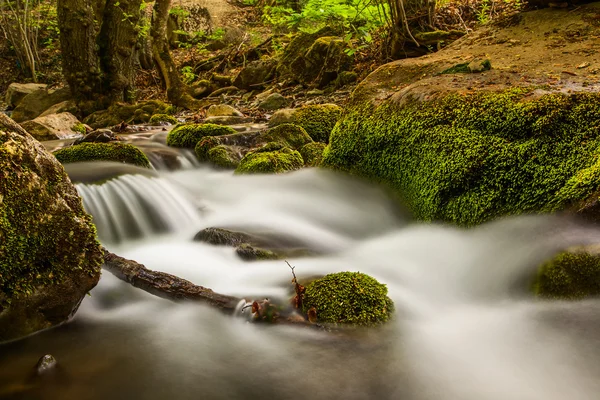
{"x":318,"y":120}
{"x":159,"y":119}
{"x":312,"y":153}
{"x":290,"y":135}
{"x":112,"y":151}
{"x":49,"y":256}
{"x":223,"y":156}
{"x":350,"y":298}
{"x":189,"y":135}
{"x":129,"y":113}
{"x":272,"y":158}
{"x":571,"y":275}
{"x":468,"y":157}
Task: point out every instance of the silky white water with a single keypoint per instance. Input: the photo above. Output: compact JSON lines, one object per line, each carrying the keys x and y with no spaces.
{"x":465,"y":328}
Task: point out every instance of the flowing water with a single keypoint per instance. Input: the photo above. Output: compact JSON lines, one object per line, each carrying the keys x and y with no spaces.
{"x":465,"y":325}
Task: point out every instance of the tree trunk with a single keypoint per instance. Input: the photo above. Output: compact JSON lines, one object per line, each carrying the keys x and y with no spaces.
{"x":77,"y":20}
{"x":177,"y":91}
{"x":117,"y":42}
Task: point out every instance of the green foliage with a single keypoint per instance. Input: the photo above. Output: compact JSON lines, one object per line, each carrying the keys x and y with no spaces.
{"x":570,"y":276}
{"x":348,"y":298}
{"x":189,"y":135}
{"x":179,"y":12}
{"x":469,"y":158}
{"x":156,"y":119}
{"x":80,"y":128}
{"x":187,"y":74}
{"x":347,"y":15}
{"x":290,"y":135}
{"x":114,"y":151}
{"x":270,"y":159}
{"x":318,"y":120}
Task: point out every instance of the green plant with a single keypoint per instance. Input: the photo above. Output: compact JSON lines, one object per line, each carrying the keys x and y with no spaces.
{"x":483,"y":14}
{"x":188,"y":75}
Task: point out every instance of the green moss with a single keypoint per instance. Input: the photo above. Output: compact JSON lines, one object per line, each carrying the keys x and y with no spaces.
{"x":318,"y":120}
{"x":471,"y":158}
{"x":189,"y":135}
{"x":156,"y":119}
{"x":569,"y":276}
{"x":223,"y":156}
{"x":203,"y":147}
{"x":113,"y":151}
{"x":290,"y":135}
{"x":45,"y":234}
{"x":312,"y":154}
{"x":348,"y":298}
{"x":79,"y":128}
{"x":272,"y":159}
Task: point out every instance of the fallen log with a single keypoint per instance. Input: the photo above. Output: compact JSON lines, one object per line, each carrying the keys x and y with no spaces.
{"x":165,"y":285}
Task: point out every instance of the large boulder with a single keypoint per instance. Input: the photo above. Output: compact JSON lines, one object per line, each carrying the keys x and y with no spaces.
{"x":54,"y":126}
{"x":17,"y":91}
{"x":49,"y":256}
{"x":467,"y":148}
{"x":64,"y":106}
{"x":35,"y":103}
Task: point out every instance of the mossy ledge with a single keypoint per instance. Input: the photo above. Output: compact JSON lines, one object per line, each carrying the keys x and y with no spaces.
{"x":119,"y":152}
{"x":569,"y":276}
{"x":350,"y":298}
{"x":189,"y":135}
{"x":470,"y":158}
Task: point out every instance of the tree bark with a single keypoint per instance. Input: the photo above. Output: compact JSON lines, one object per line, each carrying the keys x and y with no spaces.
{"x":77,"y":20}
{"x":177,"y":91}
{"x":117,"y":41}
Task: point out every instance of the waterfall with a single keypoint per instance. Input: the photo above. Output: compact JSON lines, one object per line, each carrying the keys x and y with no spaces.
{"x":136,"y":206}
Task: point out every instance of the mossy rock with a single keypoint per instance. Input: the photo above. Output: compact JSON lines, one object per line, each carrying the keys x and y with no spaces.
{"x":189,"y":135}
{"x":119,"y":152}
{"x":271,"y":159}
{"x":570,"y":276}
{"x":290,"y":135}
{"x":350,"y":298}
{"x":129,"y":113}
{"x":312,"y":153}
{"x":204,"y":145}
{"x":79,"y":128}
{"x":468,"y":158}
{"x":224,"y":157}
{"x":157,"y":119}
{"x":49,"y":255}
{"x":318,"y":120}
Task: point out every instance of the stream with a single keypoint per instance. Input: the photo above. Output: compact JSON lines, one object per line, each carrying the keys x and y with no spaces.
{"x":465,"y":327}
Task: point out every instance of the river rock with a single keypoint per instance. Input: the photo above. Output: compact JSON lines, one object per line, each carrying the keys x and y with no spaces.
{"x":53,"y":127}
{"x":283,"y":116}
{"x":274,"y":101}
{"x":98,"y":136}
{"x":64,"y":106}
{"x":49,"y":256}
{"x":222,"y":110}
{"x":35,"y":103}
{"x":17,"y":91}
{"x":46,"y":364}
